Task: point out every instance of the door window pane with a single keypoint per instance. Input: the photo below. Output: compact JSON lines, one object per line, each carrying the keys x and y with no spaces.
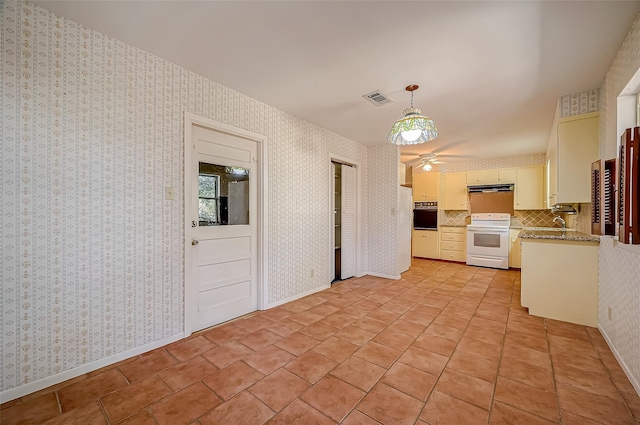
{"x":223,"y":194}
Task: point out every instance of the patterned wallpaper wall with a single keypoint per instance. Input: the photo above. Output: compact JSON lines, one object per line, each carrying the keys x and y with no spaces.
{"x":383,"y":219}
{"x":620,"y":266}
{"x":580,"y":103}
{"x":490,"y":164}
{"x":92,"y":254}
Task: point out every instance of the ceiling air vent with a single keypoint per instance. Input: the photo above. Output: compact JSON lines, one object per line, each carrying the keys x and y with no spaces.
{"x":377,"y":98}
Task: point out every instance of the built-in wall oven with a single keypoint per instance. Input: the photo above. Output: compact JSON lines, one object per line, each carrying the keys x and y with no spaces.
{"x":488,"y":240}
{"x":425,"y":215}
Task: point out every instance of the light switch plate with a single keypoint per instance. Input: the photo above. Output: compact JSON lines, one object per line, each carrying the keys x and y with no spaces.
{"x":169,"y":193}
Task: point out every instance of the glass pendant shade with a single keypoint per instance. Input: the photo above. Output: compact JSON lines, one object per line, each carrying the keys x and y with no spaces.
{"x":412,"y":129}
{"x":427,"y":167}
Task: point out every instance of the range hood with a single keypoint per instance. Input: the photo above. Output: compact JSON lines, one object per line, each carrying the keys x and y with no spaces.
{"x":484,"y":188}
{"x":563,"y":208}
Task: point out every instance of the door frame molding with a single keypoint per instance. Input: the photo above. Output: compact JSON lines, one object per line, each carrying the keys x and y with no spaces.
{"x":356,"y":164}
{"x":263,"y":212}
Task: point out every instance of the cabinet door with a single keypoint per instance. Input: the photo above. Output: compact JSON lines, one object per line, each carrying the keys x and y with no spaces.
{"x":529,"y":188}
{"x":577,"y":149}
{"x":425,"y":186}
{"x":432,"y":182}
{"x":507,"y":175}
{"x":419,"y":187}
{"x":425,"y":244}
{"x":455,"y":191}
{"x":482,"y":177}
{"x":514,"y":249}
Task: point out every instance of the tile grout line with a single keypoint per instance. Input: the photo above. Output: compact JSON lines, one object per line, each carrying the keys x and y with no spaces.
{"x":493,"y":394}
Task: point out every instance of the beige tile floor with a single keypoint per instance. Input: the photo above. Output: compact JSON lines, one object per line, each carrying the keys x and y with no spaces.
{"x":446,"y":344}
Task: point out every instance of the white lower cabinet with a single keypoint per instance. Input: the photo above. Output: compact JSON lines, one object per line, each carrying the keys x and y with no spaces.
{"x":424,"y":243}
{"x":514,"y":249}
{"x":453,"y":243}
{"x":560,"y":280}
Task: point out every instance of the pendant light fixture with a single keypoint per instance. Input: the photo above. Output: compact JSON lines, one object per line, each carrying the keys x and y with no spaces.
{"x":414,"y":127}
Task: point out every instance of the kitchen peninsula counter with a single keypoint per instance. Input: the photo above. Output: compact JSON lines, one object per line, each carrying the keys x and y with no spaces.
{"x":560,"y":275}
{"x":557,"y":234}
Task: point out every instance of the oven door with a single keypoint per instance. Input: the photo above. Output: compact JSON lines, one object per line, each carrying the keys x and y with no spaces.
{"x":425,"y":219}
{"x":488,"y":248}
{"x":488,"y":241}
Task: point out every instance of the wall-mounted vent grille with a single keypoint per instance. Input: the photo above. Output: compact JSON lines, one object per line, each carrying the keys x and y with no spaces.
{"x":377,"y":98}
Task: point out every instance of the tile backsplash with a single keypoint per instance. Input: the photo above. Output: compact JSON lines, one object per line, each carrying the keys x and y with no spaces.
{"x":525,"y":218}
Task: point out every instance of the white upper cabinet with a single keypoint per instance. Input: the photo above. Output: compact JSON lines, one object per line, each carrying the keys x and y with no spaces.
{"x":570,"y":156}
{"x":507,"y":175}
{"x":425,"y":186}
{"x":482,"y":177}
{"x":529,"y":188}
{"x":455,"y":191}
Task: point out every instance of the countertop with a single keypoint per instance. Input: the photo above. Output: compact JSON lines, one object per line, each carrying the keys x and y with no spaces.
{"x":557,"y":234}
{"x":452,"y":225}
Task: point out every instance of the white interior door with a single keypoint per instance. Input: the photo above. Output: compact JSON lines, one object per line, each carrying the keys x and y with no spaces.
{"x":223,"y":214}
{"x":348,"y":224}
{"x":405,"y":211}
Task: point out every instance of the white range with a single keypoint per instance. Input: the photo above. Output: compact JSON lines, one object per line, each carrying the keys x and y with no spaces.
{"x":488,"y":240}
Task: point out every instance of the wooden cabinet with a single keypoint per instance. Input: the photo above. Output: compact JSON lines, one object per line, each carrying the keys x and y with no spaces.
{"x":560,"y":280}
{"x":514,"y":248}
{"x":570,"y":154}
{"x":529,"y":188}
{"x":453,"y":243}
{"x":424,"y":243}
{"x":455,"y":191}
{"x":507,"y":175}
{"x":482,"y":177}
{"x":425,"y":186}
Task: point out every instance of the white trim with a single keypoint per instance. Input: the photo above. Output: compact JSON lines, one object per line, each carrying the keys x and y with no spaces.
{"x":623,"y":365}
{"x":298,"y":296}
{"x":357,"y":165}
{"x":263,"y":210}
{"x":386,"y":276}
{"x":43,"y":383}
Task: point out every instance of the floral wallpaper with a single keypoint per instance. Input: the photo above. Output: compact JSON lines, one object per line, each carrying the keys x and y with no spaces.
{"x":580,"y":103}
{"x":92,"y":253}
{"x":493,"y":163}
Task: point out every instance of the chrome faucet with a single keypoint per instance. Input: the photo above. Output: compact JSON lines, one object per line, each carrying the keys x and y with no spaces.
{"x":561,"y":220}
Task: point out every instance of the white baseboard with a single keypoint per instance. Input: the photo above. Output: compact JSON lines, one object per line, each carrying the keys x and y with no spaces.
{"x":298,"y":296}
{"x":623,"y":365}
{"x":43,"y":383}
{"x":386,"y":276}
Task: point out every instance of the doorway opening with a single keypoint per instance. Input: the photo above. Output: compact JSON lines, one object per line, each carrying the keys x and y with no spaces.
{"x":344,"y":210}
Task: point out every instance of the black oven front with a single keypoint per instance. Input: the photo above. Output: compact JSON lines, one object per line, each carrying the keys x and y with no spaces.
{"x":425,"y":215}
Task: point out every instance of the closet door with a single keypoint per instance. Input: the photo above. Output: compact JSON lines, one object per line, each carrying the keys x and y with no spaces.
{"x":348,"y":243}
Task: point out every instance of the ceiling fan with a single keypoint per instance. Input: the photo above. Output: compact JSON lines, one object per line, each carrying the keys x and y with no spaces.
{"x":427,"y":160}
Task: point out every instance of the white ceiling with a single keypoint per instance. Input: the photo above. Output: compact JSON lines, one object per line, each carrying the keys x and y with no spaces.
{"x":490,"y":73}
